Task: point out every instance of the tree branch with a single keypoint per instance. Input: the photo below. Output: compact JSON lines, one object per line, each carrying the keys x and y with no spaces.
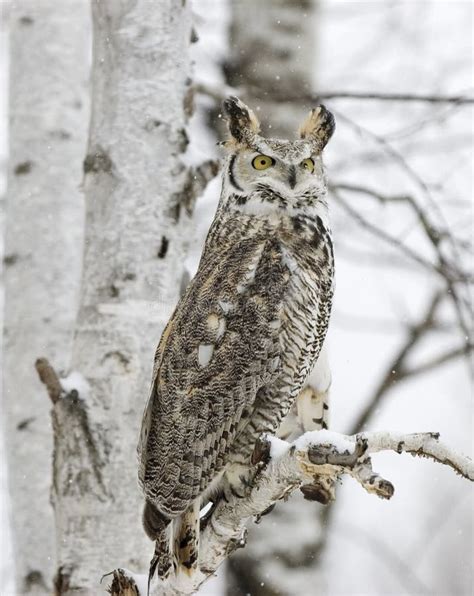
{"x":378,"y":96}
{"x":395,"y":372}
{"x":318,"y":459}
{"x":413,"y":175}
{"x":464,"y":350}
{"x":218,"y":95}
{"x":380,"y":233}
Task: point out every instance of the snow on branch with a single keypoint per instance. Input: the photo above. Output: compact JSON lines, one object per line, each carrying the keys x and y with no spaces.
{"x":313,"y":463}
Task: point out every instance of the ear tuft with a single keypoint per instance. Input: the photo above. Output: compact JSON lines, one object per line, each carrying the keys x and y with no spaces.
{"x":318,"y":127}
{"x":242,"y":122}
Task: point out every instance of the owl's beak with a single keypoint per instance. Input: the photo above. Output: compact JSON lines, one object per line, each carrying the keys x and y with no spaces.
{"x":292,"y":177}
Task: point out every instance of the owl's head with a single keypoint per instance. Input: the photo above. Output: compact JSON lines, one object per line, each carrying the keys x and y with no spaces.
{"x":289,"y":168}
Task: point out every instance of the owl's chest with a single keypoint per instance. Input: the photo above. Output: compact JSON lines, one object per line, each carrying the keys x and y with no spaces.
{"x":305,"y":312}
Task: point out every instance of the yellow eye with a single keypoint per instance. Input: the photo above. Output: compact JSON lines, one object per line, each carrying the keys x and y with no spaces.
{"x":308,"y":164}
{"x":262,"y":162}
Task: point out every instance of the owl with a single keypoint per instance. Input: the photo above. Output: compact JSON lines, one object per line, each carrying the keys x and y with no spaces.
{"x":245,"y":335}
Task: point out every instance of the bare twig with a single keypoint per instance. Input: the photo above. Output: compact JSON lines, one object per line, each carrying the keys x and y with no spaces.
{"x":401,"y":97}
{"x":437,"y":361}
{"x":433,"y":233}
{"x":413,"y":175}
{"x":396,"y":370}
{"x":376,"y":231}
{"x":312,"y":98}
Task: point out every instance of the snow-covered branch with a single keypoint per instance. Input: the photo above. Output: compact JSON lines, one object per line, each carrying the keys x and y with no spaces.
{"x":314,"y":462}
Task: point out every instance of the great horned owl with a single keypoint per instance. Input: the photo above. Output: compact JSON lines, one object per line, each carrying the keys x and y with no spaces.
{"x":245,"y":335}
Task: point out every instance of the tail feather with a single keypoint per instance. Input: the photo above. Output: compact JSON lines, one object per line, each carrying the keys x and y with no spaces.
{"x":154,"y":522}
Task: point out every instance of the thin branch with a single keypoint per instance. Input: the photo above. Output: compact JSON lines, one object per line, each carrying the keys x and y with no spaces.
{"x":400,"y":97}
{"x":376,"y":231}
{"x":464,"y":350}
{"x":218,"y":96}
{"x":413,"y":175}
{"x":434,"y":235}
{"x":396,"y":370}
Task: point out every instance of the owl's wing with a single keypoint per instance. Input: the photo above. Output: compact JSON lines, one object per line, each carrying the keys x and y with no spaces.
{"x":219,"y":348}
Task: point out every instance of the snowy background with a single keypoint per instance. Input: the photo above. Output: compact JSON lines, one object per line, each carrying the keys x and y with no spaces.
{"x":421,"y":542}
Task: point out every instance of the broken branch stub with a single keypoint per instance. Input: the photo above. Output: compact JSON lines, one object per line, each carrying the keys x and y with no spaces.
{"x":49,"y":378}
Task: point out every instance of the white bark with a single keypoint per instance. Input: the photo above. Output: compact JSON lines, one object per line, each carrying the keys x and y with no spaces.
{"x":318,"y":457}
{"x":49,"y":42}
{"x":273,"y":54}
{"x":139,"y":199}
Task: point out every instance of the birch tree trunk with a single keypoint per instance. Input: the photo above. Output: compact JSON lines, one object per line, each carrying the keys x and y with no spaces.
{"x":139,"y":200}
{"x":273,"y":47}
{"x":273,"y":54}
{"x":49,"y":42}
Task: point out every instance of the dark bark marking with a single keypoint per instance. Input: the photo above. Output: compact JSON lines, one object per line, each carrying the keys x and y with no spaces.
{"x":98,"y":161}
{"x":61,"y":134}
{"x":113,"y":291}
{"x":188,"y":102}
{"x":34,"y":578}
{"x":194,"y":36}
{"x":24,"y":167}
{"x":62,"y":581}
{"x":152,"y":124}
{"x":10,"y":259}
{"x":26,"y":20}
{"x":163,"y":247}
{"x":24,"y":424}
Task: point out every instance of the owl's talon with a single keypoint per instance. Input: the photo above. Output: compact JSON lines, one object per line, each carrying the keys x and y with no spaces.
{"x":261,"y":451}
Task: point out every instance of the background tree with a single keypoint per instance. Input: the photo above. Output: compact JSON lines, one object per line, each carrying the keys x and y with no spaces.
{"x":139,"y":202}
{"x":49,"y":48}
